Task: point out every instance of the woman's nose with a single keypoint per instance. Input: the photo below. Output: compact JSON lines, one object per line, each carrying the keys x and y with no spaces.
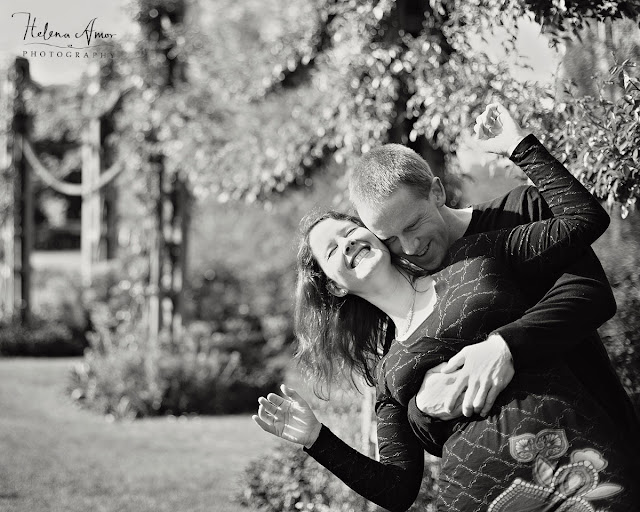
{"x":349,"y":246}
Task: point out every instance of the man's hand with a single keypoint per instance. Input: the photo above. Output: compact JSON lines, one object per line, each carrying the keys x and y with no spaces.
{"x":483,"y":370}
{"x":438,"y":396}
{"x":496,"y":131}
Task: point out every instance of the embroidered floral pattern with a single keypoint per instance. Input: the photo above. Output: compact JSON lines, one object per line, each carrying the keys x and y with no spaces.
{"x":548,"y":443}
{"x":569,"y":487}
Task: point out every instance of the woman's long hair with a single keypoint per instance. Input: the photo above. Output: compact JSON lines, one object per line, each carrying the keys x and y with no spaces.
{"x":337,"y":336}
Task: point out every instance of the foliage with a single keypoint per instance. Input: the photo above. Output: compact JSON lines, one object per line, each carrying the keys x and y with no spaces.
{"x":364,"y":73}
{"x":205,"y":374}
{"x":287,"y":479}
{"x":619,"y":251}
{"x":58,"y":296}
{"x":620,"y":335}
{"x":599,"y":137}
{"x":60,"y":320}
{"x":43,"y":338}
{"x":220,"y":364}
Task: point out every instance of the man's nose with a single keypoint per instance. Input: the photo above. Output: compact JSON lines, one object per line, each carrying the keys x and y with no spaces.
{"x":409,"y":245}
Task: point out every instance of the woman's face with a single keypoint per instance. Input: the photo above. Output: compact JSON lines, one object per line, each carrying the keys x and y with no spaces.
{"x":348,"y":254}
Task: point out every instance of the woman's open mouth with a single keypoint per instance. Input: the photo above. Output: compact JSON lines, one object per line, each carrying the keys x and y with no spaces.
{"x":359,"y":255}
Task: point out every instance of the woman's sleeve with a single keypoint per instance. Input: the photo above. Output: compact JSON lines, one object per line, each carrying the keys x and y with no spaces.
{"x":393,"y":482}
{"x":551,"y":244}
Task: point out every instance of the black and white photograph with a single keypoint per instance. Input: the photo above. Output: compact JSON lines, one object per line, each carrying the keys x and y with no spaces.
{"x":319,"y":256}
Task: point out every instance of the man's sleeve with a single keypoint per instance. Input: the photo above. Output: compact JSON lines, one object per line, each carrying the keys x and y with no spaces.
{"x":521,"y":205}
{"x":577,"y":304}
{"x":569,"y":307}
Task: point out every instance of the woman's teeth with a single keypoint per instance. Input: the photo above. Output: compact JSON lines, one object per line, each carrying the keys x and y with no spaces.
{"x":359,"y":257}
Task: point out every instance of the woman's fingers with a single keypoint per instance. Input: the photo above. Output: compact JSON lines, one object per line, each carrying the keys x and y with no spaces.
{"x":292,"y":394}
{"x":269,"y":406}
{"x":266,"y":416}
{"x":264,"y":425}
{"x":275,"y":399}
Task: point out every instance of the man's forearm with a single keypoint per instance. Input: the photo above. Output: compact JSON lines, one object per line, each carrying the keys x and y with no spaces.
{"x":577,"y":304}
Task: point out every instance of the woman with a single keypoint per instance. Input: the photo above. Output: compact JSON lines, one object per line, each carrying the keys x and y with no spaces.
{"x":545,"y":445}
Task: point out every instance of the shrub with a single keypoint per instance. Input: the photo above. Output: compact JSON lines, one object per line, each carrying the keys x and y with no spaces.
{"x":222,"y":298}
{"x":58,"y":296}
{"x":619,"y":250}
{"x":60,"y":320}
{"x":43,"y":338}
{"x":621,"y":337}
{"x":124,"y":376}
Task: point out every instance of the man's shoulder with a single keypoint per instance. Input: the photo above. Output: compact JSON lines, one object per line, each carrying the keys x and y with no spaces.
{"x":514,"y":199}
{"x":521,"y":205}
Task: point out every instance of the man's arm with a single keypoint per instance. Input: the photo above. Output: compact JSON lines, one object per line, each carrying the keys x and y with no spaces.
{"x":578,"y":302}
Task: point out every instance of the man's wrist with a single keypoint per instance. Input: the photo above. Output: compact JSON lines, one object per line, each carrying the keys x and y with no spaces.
{"x":497,"y":339}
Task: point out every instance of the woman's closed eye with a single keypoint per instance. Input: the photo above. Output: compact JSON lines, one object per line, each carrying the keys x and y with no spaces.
{"x":333,"y":248}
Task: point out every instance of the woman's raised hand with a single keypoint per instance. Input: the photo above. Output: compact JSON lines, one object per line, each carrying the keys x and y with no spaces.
{"x":496,"y":131}
{"x":288,"y":416}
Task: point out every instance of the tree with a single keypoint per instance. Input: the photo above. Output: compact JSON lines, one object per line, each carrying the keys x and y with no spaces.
{"x":369,"y":72}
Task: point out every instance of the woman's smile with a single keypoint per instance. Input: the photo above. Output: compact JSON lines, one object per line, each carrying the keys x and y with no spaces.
{"x":359,"y":253}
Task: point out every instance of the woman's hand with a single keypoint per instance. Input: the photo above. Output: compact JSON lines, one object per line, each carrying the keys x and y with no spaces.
{"x":496,"y":131}
{"x":288,"y":416}
{"x":438,"y":396}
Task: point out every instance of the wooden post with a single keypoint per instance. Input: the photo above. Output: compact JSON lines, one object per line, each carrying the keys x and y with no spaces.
{"x":184,"y":218}
{"x":22,"y":193}
{"x":90,"y":217}
{"x":24,"y":227}
{"x":156,"y":258}
{"x":6,"y":227}
{"x":110,"y":220}
{"x":176,"y":230}
{"x":168,"y":260}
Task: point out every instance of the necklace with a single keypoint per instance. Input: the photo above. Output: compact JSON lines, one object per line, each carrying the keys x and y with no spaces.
{"x":409,"y":316}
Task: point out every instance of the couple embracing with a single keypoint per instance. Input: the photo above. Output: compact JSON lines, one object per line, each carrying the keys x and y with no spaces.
{"x":477,"y":328}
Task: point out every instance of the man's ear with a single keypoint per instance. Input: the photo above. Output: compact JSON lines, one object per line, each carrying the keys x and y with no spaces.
{"x":336,"y":290}
{"x":437,"y":189}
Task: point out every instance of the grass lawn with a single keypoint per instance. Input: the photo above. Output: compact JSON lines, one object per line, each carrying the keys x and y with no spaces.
{"x":55,"y":457}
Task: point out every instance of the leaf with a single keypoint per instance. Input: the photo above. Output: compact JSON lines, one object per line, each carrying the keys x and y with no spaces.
{"x":603,"y":491}
{"x":543,"y":471}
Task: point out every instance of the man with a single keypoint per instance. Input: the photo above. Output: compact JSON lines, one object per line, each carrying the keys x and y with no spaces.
{"x":402,"y":203}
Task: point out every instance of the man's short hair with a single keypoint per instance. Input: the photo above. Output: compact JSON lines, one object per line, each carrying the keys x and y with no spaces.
{"x":382,"y":170}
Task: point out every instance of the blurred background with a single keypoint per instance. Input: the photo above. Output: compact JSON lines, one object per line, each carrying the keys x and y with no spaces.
{"x":156,"y":157}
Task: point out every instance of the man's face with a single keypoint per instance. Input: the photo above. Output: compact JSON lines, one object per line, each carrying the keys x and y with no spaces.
{"x":411,"y":225}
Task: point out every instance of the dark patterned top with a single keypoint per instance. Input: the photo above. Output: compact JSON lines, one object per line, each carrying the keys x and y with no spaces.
{"x":477,"y":293}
